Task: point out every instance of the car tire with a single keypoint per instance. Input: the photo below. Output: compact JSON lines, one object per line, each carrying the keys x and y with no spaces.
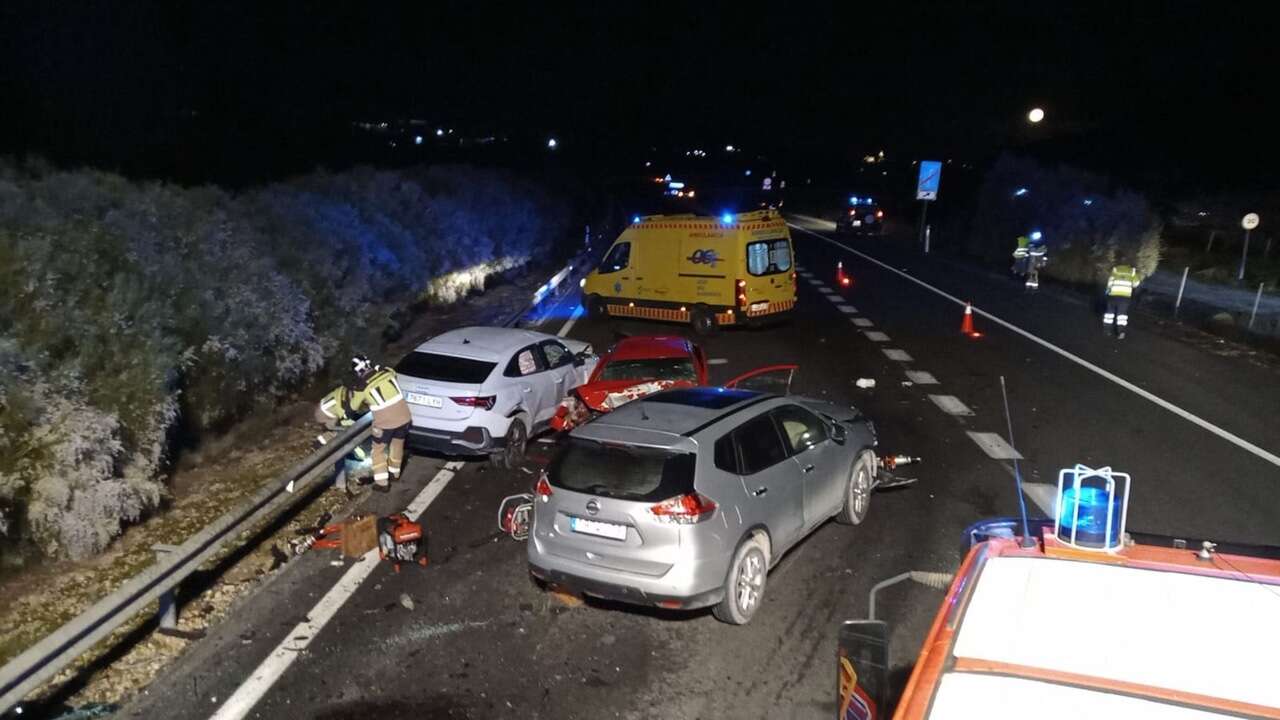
{"x":744,"y":587}
{"x":596,"y":308}
{"x":703,"y":321}
{"x":512,"y":453}
{"x":857,"y":493}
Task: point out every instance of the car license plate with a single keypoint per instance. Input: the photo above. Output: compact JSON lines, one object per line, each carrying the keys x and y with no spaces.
{"x":420,"y":399}
{"x":593,"y":527}
{"x":857,"y":223}
{"x":758,"y":306}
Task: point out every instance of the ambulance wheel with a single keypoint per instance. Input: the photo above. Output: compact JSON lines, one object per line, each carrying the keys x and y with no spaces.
{"x":703,"y":320}
{"x":596,"y":308}
{"x":512,"y":453}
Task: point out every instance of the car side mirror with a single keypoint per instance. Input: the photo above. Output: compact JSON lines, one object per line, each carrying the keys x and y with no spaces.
{"x":862,"y":679}
{"x":580,"y":359}
{"x":838,"y":433}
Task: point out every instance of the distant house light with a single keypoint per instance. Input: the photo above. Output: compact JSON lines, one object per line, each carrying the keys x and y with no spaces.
{"x":551,"y":143}
{"x":1020,"y":192}
{"x":417,"y":139}
{"x":1088,"y":201}
{"x":439,"y":132}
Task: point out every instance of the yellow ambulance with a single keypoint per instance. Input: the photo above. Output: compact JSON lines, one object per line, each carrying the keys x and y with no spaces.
{"x":703,"y":270}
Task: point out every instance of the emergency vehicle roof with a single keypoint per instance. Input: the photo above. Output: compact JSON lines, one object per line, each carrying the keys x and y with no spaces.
{"x":1064,"y":638}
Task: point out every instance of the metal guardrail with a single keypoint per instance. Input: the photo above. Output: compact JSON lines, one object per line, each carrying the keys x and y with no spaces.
{"x":27,"y":672}
{"x":46,"y":658}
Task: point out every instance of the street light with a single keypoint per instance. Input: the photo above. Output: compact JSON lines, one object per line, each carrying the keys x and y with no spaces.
{"x":551,"y":143}
{"x":1036,"y":115}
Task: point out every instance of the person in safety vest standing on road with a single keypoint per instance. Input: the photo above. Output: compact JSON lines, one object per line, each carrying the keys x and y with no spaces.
{"x":1037,"y":257}
{"x":1120,"y":286}
{"x":377,"y":390}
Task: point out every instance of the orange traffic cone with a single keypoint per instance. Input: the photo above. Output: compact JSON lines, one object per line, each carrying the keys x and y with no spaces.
{"x":966,"y":325}
{"x":841,"y":279}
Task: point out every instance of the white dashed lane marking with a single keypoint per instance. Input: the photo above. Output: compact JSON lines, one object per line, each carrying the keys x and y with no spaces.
{"x":920,"y":377}
{"x":875,"y":336}
{"x":994,"y":445}
{"x":847,"y":309}
{"x":951,"y":405}
{"x":718,"y":361}
{"x":1230,"y":437}
{"x":1042,"y":494}
{"x":863,"y":322}
{"x":896,"y":354}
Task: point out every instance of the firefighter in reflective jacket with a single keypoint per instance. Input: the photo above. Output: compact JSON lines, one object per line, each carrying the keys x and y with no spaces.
{"x":1120,"y":286}
{"x":377,"y":391}
{"x":336,"y":414}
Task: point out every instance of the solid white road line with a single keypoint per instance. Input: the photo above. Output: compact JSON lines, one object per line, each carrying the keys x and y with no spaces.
{"x":950,"y":404}
{"x":1176,"y":410}
{"x":863,"y":322}
{"x":896,"y":354}
{"x":994,"y":445}
{"x":875,"y":336}
{"x":568,"y":324}
{"x":296,"y":642}
{"x":920,"y":377}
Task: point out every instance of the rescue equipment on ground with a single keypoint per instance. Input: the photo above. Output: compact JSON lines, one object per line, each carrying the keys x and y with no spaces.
{"x":515,"y":515}
{"x":354,"y":537}
{"x":401,"y":540}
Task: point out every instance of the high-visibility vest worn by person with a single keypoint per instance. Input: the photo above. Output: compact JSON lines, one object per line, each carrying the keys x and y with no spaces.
{"x":337,"y":404}
{"x":1122,"y":282}
{"x":381,"y":394}
{"x":1022,"y":250}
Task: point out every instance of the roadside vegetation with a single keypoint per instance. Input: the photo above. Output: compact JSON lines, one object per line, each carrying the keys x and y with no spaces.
{"x":137,"y":316}
{"x":1088,"y":223}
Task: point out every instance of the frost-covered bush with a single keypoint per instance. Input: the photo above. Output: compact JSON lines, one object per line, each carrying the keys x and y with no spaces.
{"x":135,"y":313}
{"x":1088,"y":225}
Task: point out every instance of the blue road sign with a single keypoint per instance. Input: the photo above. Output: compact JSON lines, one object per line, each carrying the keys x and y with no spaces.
{"x":930,"y":176}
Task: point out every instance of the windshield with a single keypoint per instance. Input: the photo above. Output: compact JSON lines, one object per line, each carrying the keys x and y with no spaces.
{"x":650,"y":369}
{"x":445,"y":368}
{"x":622,"y":471}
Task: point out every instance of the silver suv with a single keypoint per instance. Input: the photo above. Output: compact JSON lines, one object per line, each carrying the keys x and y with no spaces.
{"x":686,"y":498}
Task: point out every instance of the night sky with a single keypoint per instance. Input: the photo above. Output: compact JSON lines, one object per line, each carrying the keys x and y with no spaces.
{"x":1161,"y":89}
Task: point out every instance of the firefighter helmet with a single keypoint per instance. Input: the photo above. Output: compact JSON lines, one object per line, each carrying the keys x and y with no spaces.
{"x":361,"y":365}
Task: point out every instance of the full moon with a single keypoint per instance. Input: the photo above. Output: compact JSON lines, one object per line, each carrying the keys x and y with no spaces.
{"x":1036,"y":115}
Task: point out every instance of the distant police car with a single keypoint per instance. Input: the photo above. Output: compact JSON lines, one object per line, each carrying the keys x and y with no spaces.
{"x":862,"y":217}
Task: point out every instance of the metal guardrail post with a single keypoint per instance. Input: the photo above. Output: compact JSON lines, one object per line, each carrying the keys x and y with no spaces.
{"x":167,"y":614}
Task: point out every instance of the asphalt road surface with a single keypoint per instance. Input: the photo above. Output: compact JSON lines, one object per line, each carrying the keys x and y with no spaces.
{"x":483,"y":641}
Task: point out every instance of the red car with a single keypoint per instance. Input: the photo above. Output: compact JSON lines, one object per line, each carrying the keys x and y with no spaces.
{"x":638,"y":366}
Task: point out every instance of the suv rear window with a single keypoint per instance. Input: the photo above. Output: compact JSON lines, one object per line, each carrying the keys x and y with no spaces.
{"x":622,"y":471}
{"x":766,"y":257}
{"x":445,"y":368}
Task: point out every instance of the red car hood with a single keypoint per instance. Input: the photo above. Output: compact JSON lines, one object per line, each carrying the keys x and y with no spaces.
{"x":606,"y":395}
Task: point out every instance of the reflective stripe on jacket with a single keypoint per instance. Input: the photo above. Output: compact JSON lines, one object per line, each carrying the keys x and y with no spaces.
{"x":1122,"y":282}
{"x":337,"y":404}
{"x":381,"y":395}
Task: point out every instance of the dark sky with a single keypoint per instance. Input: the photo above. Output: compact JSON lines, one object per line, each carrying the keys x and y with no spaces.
{"x":1159,"y":87}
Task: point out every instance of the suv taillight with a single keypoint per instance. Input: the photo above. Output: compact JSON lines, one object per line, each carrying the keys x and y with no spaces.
{"x":742,"y":293}
{"x":543,"y":489}
{"x":684,"y":509}
{"x":479,"y":401}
